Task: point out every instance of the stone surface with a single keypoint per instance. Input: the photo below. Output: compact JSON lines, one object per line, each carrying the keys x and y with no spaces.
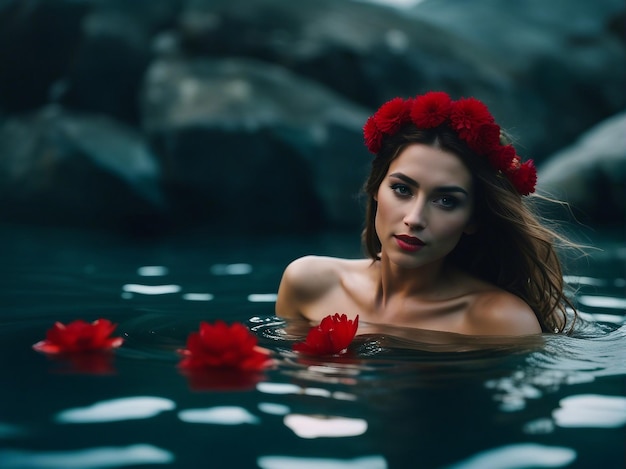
{"x":64,"y":168}
{"x":276,"y":92}
{"x":591,"y":174}
{"x":249,"y":144}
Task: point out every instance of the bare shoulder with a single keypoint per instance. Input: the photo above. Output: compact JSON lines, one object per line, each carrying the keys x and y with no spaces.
{"x":308,"y":279}
{"x":498,"y":312}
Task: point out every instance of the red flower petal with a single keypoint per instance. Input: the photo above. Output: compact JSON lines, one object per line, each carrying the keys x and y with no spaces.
{"x":467,"y":115}
{"x":391,"y":115}
{"x":333,"y":335}
{"x":431,"y":109}
{"x":524,"y":178}
{"x":79,"y":336}
{"x":485,"y":140}
{"x":45,"y":346}
{"x":373,"y":136}
{"x":222,"y":346}
{"x":502,"y":158}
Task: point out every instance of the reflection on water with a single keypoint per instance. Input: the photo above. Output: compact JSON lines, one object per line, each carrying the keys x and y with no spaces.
{"x":126,"y":408}
{"x":287,"y":462}
{"x":519,"y":456}
{"x":92,"y":458}
{"x":591,"y":410}
{"x":149,"y":289}
{"x":221,"y":415}
{"x":316,"y":426}
{"x":399,"y":398}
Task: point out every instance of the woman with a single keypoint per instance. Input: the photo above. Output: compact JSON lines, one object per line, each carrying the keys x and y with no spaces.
{"x":452,"y":245}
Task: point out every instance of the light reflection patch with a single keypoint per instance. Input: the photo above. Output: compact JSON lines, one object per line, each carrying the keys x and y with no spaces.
{"x":286,"y":388}
{"x":278,"y":388}
{"x":317,"y":392}
{"x":92,"y":458}
{"x":292,"y":462}
{"x":223,"y":415}
{"x":599,"y":317}
{"x":316,"y":426}
{"x":591,"y":410}
{"x":519,"y":456}
{"x":262,"y":297}
{"x":125,"y":408}
{"x":231,"y":269}
{"x":602,"y":302}
{"x":581,"y":280}
{"x":273,"y":409}
{"x":151,"y":289}
{"x":152,"y":271}
{"x":198,"y":296}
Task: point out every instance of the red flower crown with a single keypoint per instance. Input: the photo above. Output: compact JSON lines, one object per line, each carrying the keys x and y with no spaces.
{"x":468,"y":117}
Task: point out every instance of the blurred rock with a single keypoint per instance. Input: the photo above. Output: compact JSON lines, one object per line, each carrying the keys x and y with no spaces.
{"x":107,"y":69}
{"x":254,"y":108}
{"x":566,"y":60}
{"x":115,"y":51}
{"x":38,"y":39}
{"x":69,"y":169}
{"x":538,"y":65}
{"x":247,"y":144}
{"x":591,"y":174}
{"x":368,"y":53}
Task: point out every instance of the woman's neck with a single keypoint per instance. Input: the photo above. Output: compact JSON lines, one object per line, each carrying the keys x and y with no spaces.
{"x":398,"y":282}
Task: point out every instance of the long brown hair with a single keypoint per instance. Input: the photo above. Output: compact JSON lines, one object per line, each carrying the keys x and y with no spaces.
{"x":512,"y":247}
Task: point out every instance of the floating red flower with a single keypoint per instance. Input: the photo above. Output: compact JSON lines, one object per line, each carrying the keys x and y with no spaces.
{"x":79,"y":336}
{"x":391,"y":115}
{"x":219,"y":345}
{"x":431,"y":109}
{"x":331,"y":336}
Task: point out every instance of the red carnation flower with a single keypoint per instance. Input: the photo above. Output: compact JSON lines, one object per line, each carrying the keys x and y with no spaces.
{"x":467,"y":115}
{"x":486,"y":139}
{"x":391,"y":115}
{"x":79,"y":336}
{"x":502,"y":158}
{"x":524,"y":178}
{"x":373,"y":135}
{"x":331,"y":336}
{"x":220,"y":345}
{"x":431,"y":109}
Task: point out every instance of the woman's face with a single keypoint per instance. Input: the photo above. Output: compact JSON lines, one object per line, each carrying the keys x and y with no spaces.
{"x":425,"y":204}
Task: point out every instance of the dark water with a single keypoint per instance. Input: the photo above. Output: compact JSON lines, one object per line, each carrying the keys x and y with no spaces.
{"x":403,"y":398}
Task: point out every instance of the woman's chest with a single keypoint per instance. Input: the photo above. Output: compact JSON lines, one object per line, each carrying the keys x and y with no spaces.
{"x":444,"y":314}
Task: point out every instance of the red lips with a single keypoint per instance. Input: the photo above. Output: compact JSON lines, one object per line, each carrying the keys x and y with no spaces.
{"x":409,"y":243}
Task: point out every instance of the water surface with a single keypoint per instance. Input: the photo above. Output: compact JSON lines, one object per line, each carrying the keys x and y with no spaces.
{"x":400,"y":398}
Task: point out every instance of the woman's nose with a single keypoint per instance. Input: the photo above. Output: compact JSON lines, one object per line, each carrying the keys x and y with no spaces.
{"x":417,"y":217}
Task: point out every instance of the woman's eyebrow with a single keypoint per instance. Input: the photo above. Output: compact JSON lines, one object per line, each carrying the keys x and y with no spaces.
{"x":414,"y":183}
{"x":451,"y":189}
{"x":405,"y":178}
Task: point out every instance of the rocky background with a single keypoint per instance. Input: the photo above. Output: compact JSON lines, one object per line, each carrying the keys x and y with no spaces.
{"x":149,"y":116}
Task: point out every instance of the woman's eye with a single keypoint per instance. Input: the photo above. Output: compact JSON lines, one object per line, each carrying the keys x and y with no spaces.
{"x":401,"y":190}
{"x":447,"y":202}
